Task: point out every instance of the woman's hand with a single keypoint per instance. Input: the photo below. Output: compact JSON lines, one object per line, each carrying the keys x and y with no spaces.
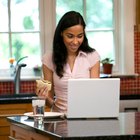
{"x":42,"y":91}
{"x":43,"y":87}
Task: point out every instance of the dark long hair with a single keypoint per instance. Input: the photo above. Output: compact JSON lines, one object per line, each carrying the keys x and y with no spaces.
{"x":59,"y":50}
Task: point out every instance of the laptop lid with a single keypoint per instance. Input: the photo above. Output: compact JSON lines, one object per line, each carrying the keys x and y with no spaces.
{"x":93,"y":98}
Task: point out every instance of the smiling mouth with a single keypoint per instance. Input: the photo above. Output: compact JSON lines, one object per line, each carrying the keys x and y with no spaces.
{"x":74,"y":47}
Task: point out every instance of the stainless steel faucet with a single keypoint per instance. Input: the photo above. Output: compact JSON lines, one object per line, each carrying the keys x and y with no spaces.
{"x":17,"y":75}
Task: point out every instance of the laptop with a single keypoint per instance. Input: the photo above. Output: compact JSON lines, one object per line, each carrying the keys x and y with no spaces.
{"x":93,"y":98}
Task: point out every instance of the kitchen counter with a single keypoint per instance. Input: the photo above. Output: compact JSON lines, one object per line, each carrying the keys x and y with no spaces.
{"x":135,"y":75}
{"x":16,"y":98}
{"x":127,"y":126}
{"x":27,"y":98}
{"x":130,"y":97}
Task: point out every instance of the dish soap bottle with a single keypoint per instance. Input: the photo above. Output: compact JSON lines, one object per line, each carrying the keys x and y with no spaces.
{"x":12,"y":68}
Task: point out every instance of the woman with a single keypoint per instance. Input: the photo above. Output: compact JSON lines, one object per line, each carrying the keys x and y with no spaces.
{"x":71,"y":58}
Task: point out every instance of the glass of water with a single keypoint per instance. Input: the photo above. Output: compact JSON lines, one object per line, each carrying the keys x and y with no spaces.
{"x":38,"y":104}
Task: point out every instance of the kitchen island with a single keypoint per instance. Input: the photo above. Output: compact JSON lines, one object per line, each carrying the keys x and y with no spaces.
{"x":13,"y":105}
{"x":126,"y":127}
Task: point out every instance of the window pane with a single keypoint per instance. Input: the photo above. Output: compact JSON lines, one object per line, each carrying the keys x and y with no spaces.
{"x":27,"y":44}
{"x":99,"y":14}
{"x":4,"y":49}
{"x":3,"y":16}
{"x":24,"y":15}
{"x":103,"y":42}
{"x":63,"y":6}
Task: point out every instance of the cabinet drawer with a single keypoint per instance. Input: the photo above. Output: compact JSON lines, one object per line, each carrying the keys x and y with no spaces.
{"x":18,"y":133}
{"x":4,"y":122}
{"x":12,"y":112}
{"x":4,"y":138}
{"x":5,"y":130}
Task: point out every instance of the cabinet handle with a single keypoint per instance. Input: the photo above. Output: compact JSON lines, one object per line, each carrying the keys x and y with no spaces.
{"x":18,"y":138}
{"x":11,"y":138}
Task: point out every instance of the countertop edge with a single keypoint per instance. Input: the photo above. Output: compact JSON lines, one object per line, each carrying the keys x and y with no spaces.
{"x":23,"y":78}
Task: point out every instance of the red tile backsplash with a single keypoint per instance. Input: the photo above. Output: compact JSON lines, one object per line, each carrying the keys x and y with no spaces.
{"x":25,"y":87}
{"x":128,"y":85}
{"x":28,"y":87}
{"x":6,"y":87}
{"x":132,"y":85}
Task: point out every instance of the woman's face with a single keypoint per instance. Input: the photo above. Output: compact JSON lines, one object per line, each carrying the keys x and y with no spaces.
{"x":73,"y":38}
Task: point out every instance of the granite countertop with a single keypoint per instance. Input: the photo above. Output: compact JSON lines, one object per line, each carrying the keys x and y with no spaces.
{"x":27,"y":98}
{"x":16,"y":98}
{"x":135,"y":75}
{"x":125,"y":127}
{"x":130,"y":97}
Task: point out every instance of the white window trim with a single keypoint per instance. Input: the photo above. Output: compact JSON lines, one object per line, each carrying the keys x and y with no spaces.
{"x":47,"y":24}
{"x":125,"y":37}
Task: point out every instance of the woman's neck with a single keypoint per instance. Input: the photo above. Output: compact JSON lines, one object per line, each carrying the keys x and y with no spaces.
{"x":71,"y":60}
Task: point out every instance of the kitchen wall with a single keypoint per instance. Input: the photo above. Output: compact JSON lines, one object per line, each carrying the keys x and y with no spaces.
{"x":26,"y":87}
{"x":132,"y":85}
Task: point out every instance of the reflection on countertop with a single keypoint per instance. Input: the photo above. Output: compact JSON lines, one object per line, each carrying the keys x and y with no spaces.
{"x":119,"y":75}
{"x":125,"y":127}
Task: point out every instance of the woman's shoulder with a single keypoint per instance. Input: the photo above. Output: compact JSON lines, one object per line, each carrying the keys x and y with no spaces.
{"x":93,"y":58}
{"x":47,"y":58}
{"x":47,"y":55}
{"x":94,"y":55}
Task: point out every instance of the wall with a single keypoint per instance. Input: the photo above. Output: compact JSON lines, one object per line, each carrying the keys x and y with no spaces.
{"x":26,"y":87}
{"x":132,"y":85}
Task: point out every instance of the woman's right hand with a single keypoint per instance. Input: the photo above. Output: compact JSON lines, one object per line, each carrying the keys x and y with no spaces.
{"x":42,"y":91}
{"x":42,"y":87}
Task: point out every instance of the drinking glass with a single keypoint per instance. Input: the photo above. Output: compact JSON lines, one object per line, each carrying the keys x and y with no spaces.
{"x":38,"y":104}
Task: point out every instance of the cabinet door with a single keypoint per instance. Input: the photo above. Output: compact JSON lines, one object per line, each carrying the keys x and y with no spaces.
{"x":8,"y":110}
{"x":18,"y":133}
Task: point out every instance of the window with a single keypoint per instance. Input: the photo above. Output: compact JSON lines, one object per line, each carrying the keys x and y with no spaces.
{"x":27,"y":28}
{"x":19,"y":31}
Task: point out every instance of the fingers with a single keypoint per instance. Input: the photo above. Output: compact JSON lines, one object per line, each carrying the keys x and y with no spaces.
{"x":43,"y":83}
{"x":42,"y":91}
{"x":42,"y":88}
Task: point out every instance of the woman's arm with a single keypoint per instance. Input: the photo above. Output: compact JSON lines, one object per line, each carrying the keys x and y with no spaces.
{"x":43,"y":92}
{"x":95,"y":70}
{"x":48,"y":75}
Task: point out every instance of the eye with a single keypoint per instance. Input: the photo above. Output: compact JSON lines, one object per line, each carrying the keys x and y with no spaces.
{"x":69,"y":35}
{"x":80,"y":35}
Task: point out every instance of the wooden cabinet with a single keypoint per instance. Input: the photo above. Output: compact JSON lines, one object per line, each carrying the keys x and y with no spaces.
{"x":137,"y":12}
{"x":9,"y":110}
{"x":19,"y":133}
